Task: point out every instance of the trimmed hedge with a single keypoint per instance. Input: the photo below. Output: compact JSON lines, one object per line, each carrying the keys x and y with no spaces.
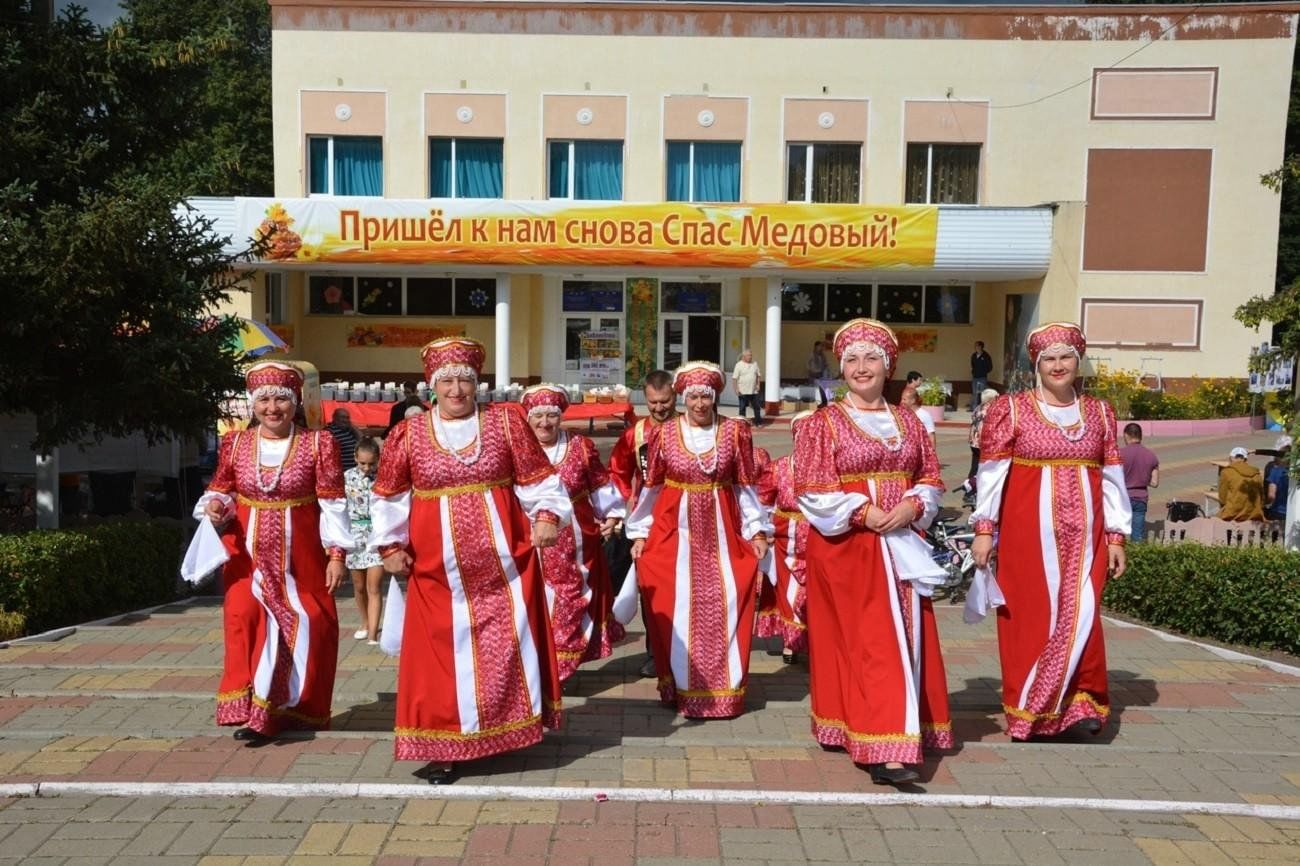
{"x":1238,"y":595}
{"x":62,"y":577}
{"x":12,"y":625}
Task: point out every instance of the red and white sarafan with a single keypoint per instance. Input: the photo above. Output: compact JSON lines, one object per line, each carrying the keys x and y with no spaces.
{"x":697,"y":573}
{"x":1052,"y":484}
{"x":478,"y":673}
{"x":579,"y":596}
{"x":281,"y":626}
{"x":877,"y":679}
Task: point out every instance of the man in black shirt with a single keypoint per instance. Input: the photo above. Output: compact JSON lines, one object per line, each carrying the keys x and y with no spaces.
{"x":398,"y":412}
{"x":981,"y":365}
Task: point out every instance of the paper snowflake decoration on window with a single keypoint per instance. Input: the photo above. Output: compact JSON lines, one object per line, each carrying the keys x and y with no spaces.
{"x":478,"y":298}
{"x":801,"y":302}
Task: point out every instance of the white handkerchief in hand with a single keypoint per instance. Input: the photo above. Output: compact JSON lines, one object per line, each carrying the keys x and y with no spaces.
{"x":390,"y":632}
{"x":205,"y":554}
{"x":984,"y":595}
{"x":768,"y":567}
{"x":914,"y":560}
{"x":625,"y":602}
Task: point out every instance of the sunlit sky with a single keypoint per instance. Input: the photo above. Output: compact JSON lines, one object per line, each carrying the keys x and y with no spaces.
{"x":100,"y":11}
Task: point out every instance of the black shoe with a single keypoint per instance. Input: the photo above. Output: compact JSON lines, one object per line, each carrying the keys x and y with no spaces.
{"x":250,"y":736}
{"x":788,"y":657}
{"x":882,"y":775}
{"x":827,"y":747}
{"x":1088,"y":726}
{"x":441,"y":776}
{"x":647,"y":669}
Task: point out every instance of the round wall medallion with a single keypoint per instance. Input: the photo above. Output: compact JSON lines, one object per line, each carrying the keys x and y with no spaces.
{"x":464,"y":114}
{"x":343,"y":111}
{"x":586,"y":116}
{"x":825,"y":120}
{"x":705,"y":118}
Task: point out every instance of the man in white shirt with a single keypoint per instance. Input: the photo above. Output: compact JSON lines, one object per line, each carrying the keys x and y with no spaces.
{"x":747,"y":380}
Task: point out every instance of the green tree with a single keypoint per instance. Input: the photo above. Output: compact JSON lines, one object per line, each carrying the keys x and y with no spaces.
{"x":110,"y":282}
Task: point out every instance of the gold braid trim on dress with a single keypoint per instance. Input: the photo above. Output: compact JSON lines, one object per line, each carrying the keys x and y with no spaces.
{"x":457,"y":736}
{"x":438,"y":492}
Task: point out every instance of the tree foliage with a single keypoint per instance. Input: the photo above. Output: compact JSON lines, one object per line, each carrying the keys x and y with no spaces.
{"x":111,"y":283}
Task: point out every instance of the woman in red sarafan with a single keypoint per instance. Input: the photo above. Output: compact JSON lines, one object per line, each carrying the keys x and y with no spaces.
{"x":277,"y":500}
{"x":1051,"y":486}
{"x":579,"y":597}
{"x":699,"y":532}
{"x":783,"y":612}
{"x":867,"y":478}
{"x":462,"y":498}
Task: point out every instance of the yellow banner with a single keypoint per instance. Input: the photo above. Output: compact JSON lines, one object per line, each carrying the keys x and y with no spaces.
{"x":671,"y":235}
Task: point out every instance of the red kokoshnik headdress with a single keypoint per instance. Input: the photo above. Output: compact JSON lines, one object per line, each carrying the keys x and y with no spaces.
{"x":544,"y":397}
{"x":274,"y":377}
{"x":452,"y":356}
{"x":698,"y":374}
{"x":867,"y":333}
{"x":1064,"y":334}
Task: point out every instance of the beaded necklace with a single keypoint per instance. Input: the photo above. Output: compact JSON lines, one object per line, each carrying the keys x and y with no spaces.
{"x":270,"y":487}
{"x":440,"y":429}
{"x":713,"y":434}
{"x":1070,"y":434}
{"x":891,"y":441}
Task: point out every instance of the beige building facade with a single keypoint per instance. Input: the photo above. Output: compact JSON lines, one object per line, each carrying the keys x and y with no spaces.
{"x":1087,"y":163}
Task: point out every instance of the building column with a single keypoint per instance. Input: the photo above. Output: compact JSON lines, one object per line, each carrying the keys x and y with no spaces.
{"x":772,"y":349}
{"x":47,"y":490}
{"x":503,"y":331}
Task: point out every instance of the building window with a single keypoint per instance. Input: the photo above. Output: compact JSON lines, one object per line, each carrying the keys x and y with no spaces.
{"x":331,"y":296}
{"x":703,"y":171}
{"x":690,"y":297}
{"x":947,"y":305}
{"x":429,"y":296}
{"x":591,"y":296}
{"x":465,"y":167}
{"x":345,"y":165}
{"x":819,"y":302}
{"x":587,"y":170}
{"x":441,"y":297}
{"x":277,"y":301}
{"x":846,"y":301}
{"x":824,"y":173}
{"x":930,"y":305}
{"x":943,"y":173}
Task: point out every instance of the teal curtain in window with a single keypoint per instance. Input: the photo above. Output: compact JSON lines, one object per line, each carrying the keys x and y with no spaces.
{"x":440,"y":168}
{"x":478,"y":167}
{"x":598,"y":170}
{"x":679,"y":171}
{"x":558,"y":170}
{"x":358,"y":165}
{"x":717,"y":171}
{"x":318,"y":166}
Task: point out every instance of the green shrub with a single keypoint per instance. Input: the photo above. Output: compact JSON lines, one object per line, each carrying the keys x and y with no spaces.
{"x":61,"y":577}
{"x":1248,"y":596}
{"x":12,"y":625}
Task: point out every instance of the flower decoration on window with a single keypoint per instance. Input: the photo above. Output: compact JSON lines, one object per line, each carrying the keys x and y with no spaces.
{"x":478,"y":299}
{"x":907,"y":308}
{"x":801,"y":302}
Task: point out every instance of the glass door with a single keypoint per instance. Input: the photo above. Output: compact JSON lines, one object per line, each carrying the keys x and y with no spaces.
{"x":593,"y":349}
{"x":735,"y":339}
{"x":672,"y":342}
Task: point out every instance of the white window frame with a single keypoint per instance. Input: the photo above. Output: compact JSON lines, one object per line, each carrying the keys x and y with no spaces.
{"x":808,"y":168}
{"x":929,"y":172}
{"x":455,"y":193}
{"x":690,"y":166}
{"x":568,"y":196}
{"x":329,"y":165}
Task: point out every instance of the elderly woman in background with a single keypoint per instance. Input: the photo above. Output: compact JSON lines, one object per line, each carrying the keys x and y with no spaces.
{"x":867,"y":477}
{"x":277,"y":500}
{"x":464,"y":496}
{"x":578,"y":593}
{"x":1052,"y":505}
{"x":699,"y":533}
